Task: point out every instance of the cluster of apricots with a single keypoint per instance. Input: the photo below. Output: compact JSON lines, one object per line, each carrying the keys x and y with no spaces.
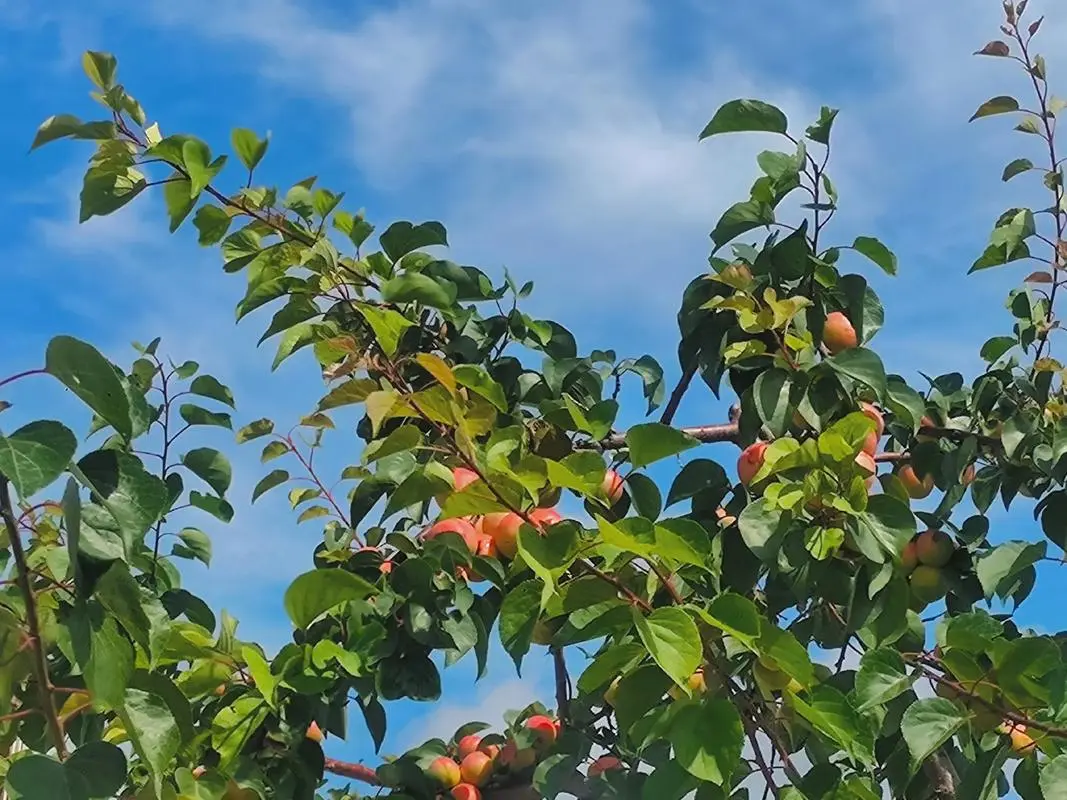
{"x":496,"y":535}
{"x":476,"y":763}
{"x":924,"y":559}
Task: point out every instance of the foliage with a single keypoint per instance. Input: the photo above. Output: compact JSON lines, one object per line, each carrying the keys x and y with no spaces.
{"x":711,"y":620}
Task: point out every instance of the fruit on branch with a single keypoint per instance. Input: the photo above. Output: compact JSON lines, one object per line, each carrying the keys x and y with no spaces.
{"x":491,"y":750}
{"x":604,"y":764}
{"x":870,"y":443}
{"x":220,"y":690}
{"x":927,"y":584}
{"x":544,"y":518}
{"x":460,"y":525}
{"x":917,"y":488}
{"x":1022,"y":744}
{"x":464,"y":791}
{"x":199,"y":771}
{"x":476,"y":768}
{"x":468,"y":744}
{"x":612,"y":486}
{"x":909,"y":558}
{"x":444,"y":771}
{"x":503,"y":528}
{"x":463,"y":477}
{"x":514,"y":759}
{"x":314,"y":732}
{"x":696,"y":683}
{"x":925,"y":422}
{"x":968,"y":475}
{"x":546,"y":728}
{"x":838,"y":333}
{"x":750,"y":461}
{"x":385,"y":567}
{"x":934,"y":548}
{"x":867,"y":462}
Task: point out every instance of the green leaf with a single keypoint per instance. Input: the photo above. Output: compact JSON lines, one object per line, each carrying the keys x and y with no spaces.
{"x":698,"y":475}
{"x":388,"y":326}
{"x":735,"y":615}
{"x":234,"y":725}
{"x":215,"y":506}
{"x":518,"y":616}
{"x":708,"y":739}
{"x":881,"y":677}
{"x":929,"y":723}
{"x":208,"y":386}
{"x":414,"y":287}
{"x":673,"y":641}
{"x":789,"y":655}
{"x":998,"y":569}
{"x":254,"y":430}
{"x":197,"y":543}
{"x":401,"y":238}
{"x":1053,"y":780}
{"x":319,"y":590}
{"x":615,"y":661}
{"x":351,"y":391}
{"x":102,"y":767}
{"x":152,"y":730}
{"x":738,"y":116}
{"x":741,"y":218}
{"x":819,"y":131}
{"x":863,"y":365}
{"x":212,"y":223}
{"x":831,"y":714}
{"x":35,"y":455}
{"x":249,"y":147}
{"x":549,"y":556}
{"x":100,"y":68}
{"x":62,"y":126}
{"x":475,"y":378}
{"x":1002,"y":104}
{"x":103,"y":653}
{"x":177,"y":199}
{"x":259,"y":670}
{"x":134,"y":497}
{"x":762,"y":526}
{"x":876,"y":252}
{"x":92,"y":378}
{"x":1016,"y":167}
{"x":38,"y":777}
{"x":106,"y":189}
{"x":211,"y":466}
{"x":888,"y":522}
{"x":197,"y":158}
{"x":195,"y":415}
{"x":652,"y":441}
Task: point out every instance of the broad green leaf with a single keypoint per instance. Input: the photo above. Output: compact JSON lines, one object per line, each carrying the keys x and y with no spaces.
{"x":38,"y":777}
{"x":196,"y":156}
{"x":215,"y":506}
{"x":475,"y":378}
{"x":638,"y":693}
{"x":652,"y":441}
{"x":92,"y":378}
{"x":100,"y":68}
{"x":1016,"y":167}
{"x":152,"y":730}
{"x":876,"y":252}
{"x":35,"y":455}
{"x":998,"y":569}
{"x":735,"y":615}
{"x":177,"y":199}
{"x":862,"y":365}
{"x":673,"y":641}
{"x":831,"y":714}
{"x":212,"y":223}
{"x":234,"y":724}
{"x":319,"y":590}
{"x":388,"y":325}
{"x":249,"y":147}
{"x":741,"y":218}
{"x":615,"y":661}
{"x":197,"y":543}
{"x":518,"y":616}
{"x":1002,"y":104}
{"x":789,"y":655}
{"x":102,"y":767}
{"x":135,"y":497}
{"x":62,"y":126}
{"x":887,"y":521}
{"x":1053,"y":780}
{"x":260,"y":671}
{"x":104,"y":655}
{"x":699,"y":475}
{"x":196,"y":415}
{"x":254,"y":430}
{"x":211,"y":466}
{"x":762,"y":525}
{"x":401,"y":238}
{"x":738,"y":116}
{"x":881,"y":677}
{"x":208,"y":386}
{"x":929,"y":723}
{"x":708,"y":738}
{"x":549,"y":556}
{"x":414,"y":287}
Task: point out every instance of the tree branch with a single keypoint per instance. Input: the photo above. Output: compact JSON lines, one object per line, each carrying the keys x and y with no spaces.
{"x":40,"y":663}
{"x":679,"y":392}
{"x":563,"y":685}
{"x":356,"y":772}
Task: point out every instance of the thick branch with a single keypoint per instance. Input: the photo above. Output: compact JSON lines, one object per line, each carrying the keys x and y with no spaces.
{"x":40,"y":663}
{"x":563,"y":685}
{"x":356,"y":772}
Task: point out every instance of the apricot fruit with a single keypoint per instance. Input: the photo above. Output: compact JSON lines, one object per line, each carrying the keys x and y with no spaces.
{"x":750,"y":461}
{"x":612,"y":486}
{"x":909,"y":558}
{"x":460,"y":525}
{"x":604,"y":764}
{"x":315,"y":733}
{"x":465,"y":791}
{"x":476,"y":768}
{"x":867,"y":462}
{"x":545,"y":728}
{"x":934,"y":548}
{"x":445,"y":771}
{"x":916,"y":488}
{"x":468,"y":744}
{"x":515,"y":759}
{"x":927,"y":584}
{"x":838,"y":333}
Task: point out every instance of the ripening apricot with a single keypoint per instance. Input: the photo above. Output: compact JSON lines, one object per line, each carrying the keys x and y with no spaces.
{"x":516,"y":760}
{"x":934,"y":548}
{"x":465,"y":791}
{"x":1022,"y":744}
{"x":315,"y":733}
{"x":916,"y":488}
{"x":968,"y":475}
{"x":444,"y":771}
{"x":463,"y":477}
{"x":545,"y":728}
{"x":612,"y":486}
{"x":503,"y":528}
{"x":696,"y":684}
{"x":867,"y":462}
{"x":468,"y":744}
{"x":476,"y":768}
{"x":750,"y":461}
{"x":491,"y":750}
{"x":909,"y":558}
{"x":604,"y":764}
{"x":838,"y":333}
{"x":460,"y":525}
{"x":879,"y":421}
{"x":927,"y":583}
{"x":544,"y":518}
{"x":385,"y":567}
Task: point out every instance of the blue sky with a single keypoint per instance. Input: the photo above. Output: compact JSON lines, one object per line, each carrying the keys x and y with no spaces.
{"x":556,"y":138}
